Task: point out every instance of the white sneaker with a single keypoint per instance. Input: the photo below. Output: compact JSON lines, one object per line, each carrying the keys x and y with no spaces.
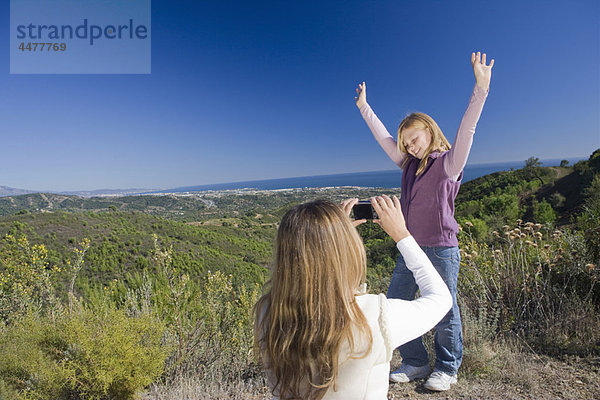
{"x":407,"y":373}
{"x":439,"y":381}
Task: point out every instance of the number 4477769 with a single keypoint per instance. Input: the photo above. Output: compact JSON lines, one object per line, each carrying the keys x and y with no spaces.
{"x":42,"y":46}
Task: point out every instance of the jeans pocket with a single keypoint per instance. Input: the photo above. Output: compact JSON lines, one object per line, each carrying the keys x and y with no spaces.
{"x":443,"y":253}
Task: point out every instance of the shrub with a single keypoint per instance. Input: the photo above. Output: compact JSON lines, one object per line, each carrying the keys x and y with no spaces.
{"x":90,"y":350}
{"x":537,"y":284}
{"x":543,"y":212}
{"x":475,"y":227}
{"x":506,"y":205}
{"x":557,"y":200}
{"x":29,"y":361}
{"x":210,"y":326}
{"x":26,"y":280}
{"x":90,"y":354}
{"x":589,"y":220}
{"x":469,"y":208}
{"x":112,"y":355}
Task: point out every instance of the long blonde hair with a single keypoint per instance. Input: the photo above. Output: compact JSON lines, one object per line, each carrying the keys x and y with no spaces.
{"x":423,"y":121}
{"x":310,"y":310}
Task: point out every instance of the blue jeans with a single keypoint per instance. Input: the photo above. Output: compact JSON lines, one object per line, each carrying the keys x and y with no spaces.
{"x":448,"y":332}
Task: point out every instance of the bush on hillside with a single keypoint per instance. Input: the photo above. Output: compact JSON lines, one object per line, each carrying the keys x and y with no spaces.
{"x":536,"y":283}
{"x":505,"y":205}
{"x":475,"y":227}
{"x":589,"y":220}
{"x":209,"y":321}
{"x":88,"y":354}
{"x":543,"y":213}
{"x":51,"y":350}
{"x":27,"y":282}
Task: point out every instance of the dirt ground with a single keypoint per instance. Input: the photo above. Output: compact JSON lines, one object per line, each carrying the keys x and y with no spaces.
{"x":528,"y":378}
{"x":524,"y":377}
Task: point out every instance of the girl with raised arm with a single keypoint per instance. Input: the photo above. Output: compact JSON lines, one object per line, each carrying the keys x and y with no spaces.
{"x":432,"y":171}
{"x":317,"y":332}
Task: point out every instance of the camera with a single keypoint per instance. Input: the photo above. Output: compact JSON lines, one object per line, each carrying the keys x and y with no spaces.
{"x":364,"y":210}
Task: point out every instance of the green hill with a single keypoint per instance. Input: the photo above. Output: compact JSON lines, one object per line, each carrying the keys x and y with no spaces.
{"x":228,"y":232}
{"x":534,"y":193}
{"x":122,"y":244}
{"x":233,"y":231}
{"x":165,"y":290}
{"x":198,"y":206}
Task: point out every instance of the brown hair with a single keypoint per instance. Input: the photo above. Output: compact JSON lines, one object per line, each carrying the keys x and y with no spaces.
{"x":310,"y":309}
{"x":424,"y":121}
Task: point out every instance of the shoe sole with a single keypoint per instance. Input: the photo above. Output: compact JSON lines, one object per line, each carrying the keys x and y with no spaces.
{"x":397,"y":380}
{"x":422,"y":376}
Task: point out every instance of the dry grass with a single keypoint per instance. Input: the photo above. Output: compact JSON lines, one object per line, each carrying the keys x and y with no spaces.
{"x":194,"y":389}
{"x":512,"y":375}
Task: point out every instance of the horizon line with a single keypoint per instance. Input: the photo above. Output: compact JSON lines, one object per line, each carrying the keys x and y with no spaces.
{"x":153,"y":190}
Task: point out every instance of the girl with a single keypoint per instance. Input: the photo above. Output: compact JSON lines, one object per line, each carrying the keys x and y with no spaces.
{"x":318,"y":335}
{"x":431,"y":177}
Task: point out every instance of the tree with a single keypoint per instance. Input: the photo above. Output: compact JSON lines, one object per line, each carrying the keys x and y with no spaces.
{"x":532,"y":168}
{"x":564,"y":163}
{"x":533,"y":162}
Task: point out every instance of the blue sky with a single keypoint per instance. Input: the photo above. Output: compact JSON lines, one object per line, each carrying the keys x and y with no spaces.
{"x":244,"y":90}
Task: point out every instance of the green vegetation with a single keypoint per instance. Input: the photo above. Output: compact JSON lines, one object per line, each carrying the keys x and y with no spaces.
{"x":111,"y":344}
{"x":52,"y":349}
{"x":546,"y":195}
{"x":100,"y":298}
{"x":122,"y":245}
{"x":533,"y":283}
{"x":200,"y":206}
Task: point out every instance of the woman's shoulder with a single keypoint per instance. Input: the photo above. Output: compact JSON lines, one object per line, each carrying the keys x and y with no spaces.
{"x":367,"y":298}
{"x":369,"y":304}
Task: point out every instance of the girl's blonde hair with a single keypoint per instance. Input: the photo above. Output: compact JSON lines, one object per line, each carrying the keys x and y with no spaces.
{"x":423,"y":121}
{"x":310,"y":310}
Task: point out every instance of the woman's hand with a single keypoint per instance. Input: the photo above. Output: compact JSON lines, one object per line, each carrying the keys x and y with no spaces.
{"x":361,"y":93}
{"x":347,"y":206}
{"x":483,"y":73}
{"x":390,"y":217}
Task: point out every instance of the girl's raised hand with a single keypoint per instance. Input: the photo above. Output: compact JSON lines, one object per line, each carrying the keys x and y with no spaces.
{"x":483,"y":72}
{"x":390,"y":216}
{"x":361,"y":93}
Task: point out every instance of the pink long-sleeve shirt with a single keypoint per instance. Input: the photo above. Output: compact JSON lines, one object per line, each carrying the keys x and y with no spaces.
{"x":456,"y":159}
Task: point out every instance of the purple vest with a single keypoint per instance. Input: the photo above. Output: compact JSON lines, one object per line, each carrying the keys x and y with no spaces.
{"x":428,"y":202}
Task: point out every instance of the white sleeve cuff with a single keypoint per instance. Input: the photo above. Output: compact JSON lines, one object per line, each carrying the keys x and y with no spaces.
{"x":410,"y":250}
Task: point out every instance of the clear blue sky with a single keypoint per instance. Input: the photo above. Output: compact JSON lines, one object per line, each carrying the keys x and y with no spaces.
{"x":244,"y":90}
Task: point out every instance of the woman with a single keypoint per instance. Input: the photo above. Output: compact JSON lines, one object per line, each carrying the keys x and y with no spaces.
{"x":318,"y":334}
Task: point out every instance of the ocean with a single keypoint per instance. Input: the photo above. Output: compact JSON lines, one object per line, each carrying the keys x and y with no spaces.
{"x":383,"y":179}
